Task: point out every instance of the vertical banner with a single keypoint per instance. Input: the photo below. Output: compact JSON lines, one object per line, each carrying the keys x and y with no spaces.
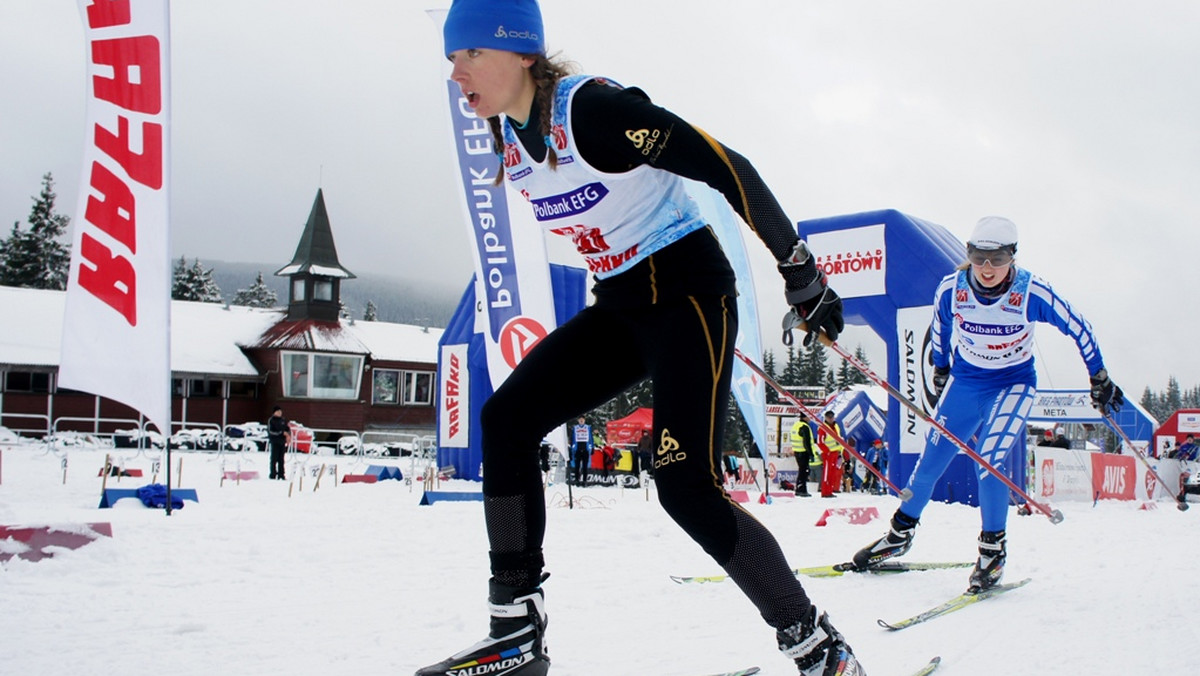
{"x":748,"y":389}
{"x":455,"y":392}
{"x":514,"y":299}
{"x":116,"y":328}
{"x":916,"y":373}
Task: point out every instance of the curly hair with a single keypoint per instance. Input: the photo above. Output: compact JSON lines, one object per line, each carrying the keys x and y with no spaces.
{"x":546,"y":72}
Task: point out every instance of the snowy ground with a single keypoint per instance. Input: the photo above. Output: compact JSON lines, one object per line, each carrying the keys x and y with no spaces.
{"x":359,"y":579}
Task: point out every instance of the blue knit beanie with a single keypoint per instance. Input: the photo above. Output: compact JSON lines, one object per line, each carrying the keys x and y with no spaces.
{"x":509,"y":25}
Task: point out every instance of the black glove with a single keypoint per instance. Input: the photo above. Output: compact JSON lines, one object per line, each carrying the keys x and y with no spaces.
{"x":940,"y":375}
{"x":1106,"y":397}
{"x":812,"y":301}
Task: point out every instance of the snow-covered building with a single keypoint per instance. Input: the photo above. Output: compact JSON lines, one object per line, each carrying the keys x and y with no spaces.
{"x":232,"y":364}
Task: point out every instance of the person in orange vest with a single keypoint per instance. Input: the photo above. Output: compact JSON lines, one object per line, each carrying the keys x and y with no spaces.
{"x":831,"y":455}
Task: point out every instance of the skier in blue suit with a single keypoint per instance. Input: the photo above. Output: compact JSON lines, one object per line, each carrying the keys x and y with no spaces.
{"x":982,"y":330}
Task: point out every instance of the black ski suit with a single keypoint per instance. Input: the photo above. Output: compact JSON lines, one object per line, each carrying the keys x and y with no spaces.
{"x":671,"y":318}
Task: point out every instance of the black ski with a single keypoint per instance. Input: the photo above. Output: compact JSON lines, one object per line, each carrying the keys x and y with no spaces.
{"x":957,"y":603}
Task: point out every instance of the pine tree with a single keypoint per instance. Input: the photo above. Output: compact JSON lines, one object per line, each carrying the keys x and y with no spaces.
{"x":36,"y":259}
{"x":769,"y":368}
{"x":194,"y":283}
{"x":859,"y":378}
{"x":371,"y":313}
{"x":814,"y":366}
{"x":793,"y":374}
{"x":258,"y":295}
{"x":1173,"y":400}
{"x":845,"y":375}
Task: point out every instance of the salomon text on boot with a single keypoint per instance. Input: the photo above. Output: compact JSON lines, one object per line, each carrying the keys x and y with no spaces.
{"x":817,"y":648}
{"x":897,"y":541}
{"x":989,"y":568}
{"x":515,"y":645}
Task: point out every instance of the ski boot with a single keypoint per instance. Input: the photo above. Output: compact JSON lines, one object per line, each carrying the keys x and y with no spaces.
{"x":515,"y":645}
{"x":817,"y":648}
{"x":895,"y":543}
{"x":990,"y":566}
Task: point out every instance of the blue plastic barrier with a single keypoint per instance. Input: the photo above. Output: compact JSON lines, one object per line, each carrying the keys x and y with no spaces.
{"x":430,"y":497}
{"x":111,"y":495}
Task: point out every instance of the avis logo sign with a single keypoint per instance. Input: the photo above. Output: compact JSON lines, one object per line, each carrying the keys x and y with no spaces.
{"x":518,"y":337}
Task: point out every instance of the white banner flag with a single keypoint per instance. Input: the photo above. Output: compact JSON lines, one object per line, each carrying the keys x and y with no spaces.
{"x":116,"y":329}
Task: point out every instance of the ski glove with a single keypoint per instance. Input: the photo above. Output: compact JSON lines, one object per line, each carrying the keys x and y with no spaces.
{"x":1106,"y":396}
{"x":941,"y":374}
{"x":807,"y":291}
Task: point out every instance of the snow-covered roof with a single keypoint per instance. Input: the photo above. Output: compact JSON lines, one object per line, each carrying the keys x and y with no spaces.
{"x":397,"y":342}
{"x":324,"y":270}
{"x":207,"y":338}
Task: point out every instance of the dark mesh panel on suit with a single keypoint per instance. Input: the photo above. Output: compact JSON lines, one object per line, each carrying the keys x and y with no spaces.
{"x":761,"y":571}
{"x":764,"y":214}
{"x":515,"y":529}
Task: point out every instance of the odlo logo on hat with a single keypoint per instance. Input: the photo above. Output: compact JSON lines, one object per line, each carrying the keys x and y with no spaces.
{"x":518,"y":35}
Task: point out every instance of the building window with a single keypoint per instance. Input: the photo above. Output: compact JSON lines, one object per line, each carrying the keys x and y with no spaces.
{"x":323,"y":289}
{"x":243,"y":389}
{"x":26,"y":381}
{"x":321,"y":376}
{"x":295,"y":375}
{"x":298,"y":289}
{"x":385,"y":387}
{"x":411,"y":388}
{"x":418,"y":387}
{"x":205,"y":388}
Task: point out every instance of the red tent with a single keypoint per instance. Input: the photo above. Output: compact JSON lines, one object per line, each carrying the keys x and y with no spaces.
{"x":626,"y":431}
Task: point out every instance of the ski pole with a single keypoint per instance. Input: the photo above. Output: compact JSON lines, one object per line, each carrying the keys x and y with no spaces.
{"x":793,"y":320}
{"x":1180,"y":500}
{"x":904,"y":494}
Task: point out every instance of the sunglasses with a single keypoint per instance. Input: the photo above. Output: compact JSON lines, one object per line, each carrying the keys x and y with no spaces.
{"x":997,"y":257}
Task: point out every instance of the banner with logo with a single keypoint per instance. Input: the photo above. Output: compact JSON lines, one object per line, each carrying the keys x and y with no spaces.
{"x":748,"y":389}
{"x":914,"y":349}
{"x":116,"y":328}
{"x":514,"y":299}
{"x":455,"y":392}
{"x":853,"y":260}
{"x":1061,"y":474}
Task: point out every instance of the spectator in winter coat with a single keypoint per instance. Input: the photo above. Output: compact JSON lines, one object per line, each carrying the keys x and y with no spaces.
{"x":802,"y":449}
{"x":1188,"y":451}
{"x":831,"y":455}
{"x":279,"y":435}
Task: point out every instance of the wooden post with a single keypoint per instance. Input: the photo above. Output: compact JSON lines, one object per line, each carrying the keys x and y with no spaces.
{"x":319,"y":475}
{"x":104,"y":481}
{"x":179,"y":474}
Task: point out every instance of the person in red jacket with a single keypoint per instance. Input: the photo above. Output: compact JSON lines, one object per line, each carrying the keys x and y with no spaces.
{"x":831,"y":455}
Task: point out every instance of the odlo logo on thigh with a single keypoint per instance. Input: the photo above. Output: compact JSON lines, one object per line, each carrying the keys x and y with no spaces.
{"x":668,"y":451}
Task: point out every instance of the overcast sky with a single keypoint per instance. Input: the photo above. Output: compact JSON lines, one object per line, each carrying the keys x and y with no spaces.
{"x":1075,"y":118}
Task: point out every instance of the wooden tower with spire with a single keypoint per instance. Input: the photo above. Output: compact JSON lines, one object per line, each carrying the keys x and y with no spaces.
{"x":315,"y":289}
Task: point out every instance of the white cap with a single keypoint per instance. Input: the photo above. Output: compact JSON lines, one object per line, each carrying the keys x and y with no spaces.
{"x":993,"y":232}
